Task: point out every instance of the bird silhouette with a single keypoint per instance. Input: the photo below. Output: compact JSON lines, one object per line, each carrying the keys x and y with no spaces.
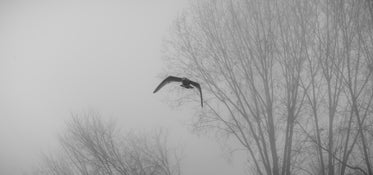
{"x":185,"y":82}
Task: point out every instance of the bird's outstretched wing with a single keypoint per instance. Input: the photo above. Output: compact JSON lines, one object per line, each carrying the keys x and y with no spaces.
{"x":167,"y":80}
{"x":198,"y":86}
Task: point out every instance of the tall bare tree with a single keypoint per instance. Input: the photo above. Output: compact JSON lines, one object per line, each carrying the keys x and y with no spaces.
{"x":282,"y":77}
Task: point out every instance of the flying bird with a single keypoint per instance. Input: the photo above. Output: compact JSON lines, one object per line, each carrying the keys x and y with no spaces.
{"x":185,"y":82}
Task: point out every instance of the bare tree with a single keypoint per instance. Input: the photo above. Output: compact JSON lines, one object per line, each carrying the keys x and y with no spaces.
{"x":242,"y":51}
{"x":286,"y":79}
{"x":92,"y":146}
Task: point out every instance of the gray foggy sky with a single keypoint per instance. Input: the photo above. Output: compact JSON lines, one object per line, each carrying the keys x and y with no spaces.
{"x":58,"y":57}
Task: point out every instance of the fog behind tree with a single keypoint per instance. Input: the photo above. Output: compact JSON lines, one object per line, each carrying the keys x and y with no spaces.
{"x":287,"y":85}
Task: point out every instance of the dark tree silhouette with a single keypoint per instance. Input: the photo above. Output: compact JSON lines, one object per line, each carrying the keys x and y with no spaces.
{"x":290,"y":80}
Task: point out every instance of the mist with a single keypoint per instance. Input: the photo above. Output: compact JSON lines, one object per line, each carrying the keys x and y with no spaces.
{"x":58,"y":58}
{"x":267,"y":87}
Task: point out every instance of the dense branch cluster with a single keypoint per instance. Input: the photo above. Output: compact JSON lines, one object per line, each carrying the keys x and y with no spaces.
{"x":290,"y":80}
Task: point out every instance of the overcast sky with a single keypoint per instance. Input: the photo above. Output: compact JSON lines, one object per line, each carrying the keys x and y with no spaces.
{"x":63,"y":57}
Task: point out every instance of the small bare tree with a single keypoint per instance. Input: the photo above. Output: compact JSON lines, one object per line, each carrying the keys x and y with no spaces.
{"x":92,"y":146}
